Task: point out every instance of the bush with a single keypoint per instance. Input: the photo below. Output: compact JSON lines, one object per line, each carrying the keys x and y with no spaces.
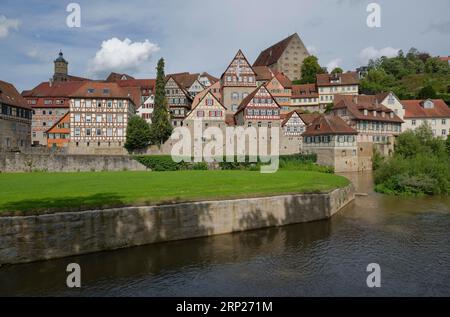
{"x":199,"y":166}
{"x":420,"y":166}
{"x":160,"y":163}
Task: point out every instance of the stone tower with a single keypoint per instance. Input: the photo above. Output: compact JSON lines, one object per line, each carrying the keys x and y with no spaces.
{"x":61,"y":68}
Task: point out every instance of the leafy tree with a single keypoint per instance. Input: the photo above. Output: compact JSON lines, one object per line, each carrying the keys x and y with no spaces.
{"x":427,"y":92}
{"x":447,"y":145}
{"x":310,"y":68}
{"x":376,"y":80}
{"x":337,"y":70}
{"x":160,"y":129}
{"x":138,"y":134}
{"x":435,"y":65}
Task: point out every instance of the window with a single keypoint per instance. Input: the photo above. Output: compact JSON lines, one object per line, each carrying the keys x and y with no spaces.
{"x":89,"y":103}
{"x":48,"y":101}
{"x":119,"y":132}
{"x":249,"y":124}
{"x":77,"y":103}
{"x":98,"y":132}
{"x":109,"y":118}
{"x":109,"y":104}
{"x":250,"y":112}
{"x":209,"y":102}
{"x":109,"y":132}
{"x":235,"y":96}
{"x":88,"y":118}
{"x":106,"y":91}
{"x":120,"y":103}
{"x":200,"y":113}
{"x":444,"y":132}
{"x":444,"y":122}
{"x":88,"y":132}
{"x":77,"y":117}
{"x":234,"y":107}
{"x":91,"y":90}
{"x":99,"y":104}
{"x":119,"y":118}
{"x":413,"y":122}
{"x":77,"y":131}
{"x":99,"y":118}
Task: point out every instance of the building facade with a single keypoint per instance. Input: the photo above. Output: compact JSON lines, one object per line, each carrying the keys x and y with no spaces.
{"x":280,"y":88}
{"x":305,"y":98}
{"x":285,"y":56}
{"x":237,"y":82}
{"x":50,"y":101}
{"x":15,"y":119}
{"x":99,"y":114}
{"x":433,"y":112}
{"x":178,"y":100}
{"x":334,"y":142}
{"x":330,"y":85}
{"x":58,"y":136}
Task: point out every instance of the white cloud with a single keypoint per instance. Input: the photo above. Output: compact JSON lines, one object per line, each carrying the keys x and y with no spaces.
{"x":334,"y":63}
{"x":312,"y":49}
{"x":7,"y":24}
{"x":121,"y":56}
{"x":372,"y":53}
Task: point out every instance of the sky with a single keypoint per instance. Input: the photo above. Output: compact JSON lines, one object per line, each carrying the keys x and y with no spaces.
{"x":204,"y":35}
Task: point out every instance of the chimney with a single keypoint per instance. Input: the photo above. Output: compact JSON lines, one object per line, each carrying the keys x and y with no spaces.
{"x":50,"y":82}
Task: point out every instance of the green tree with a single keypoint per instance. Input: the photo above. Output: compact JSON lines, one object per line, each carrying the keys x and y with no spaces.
{"x":138,"y":134}
{"x":377,"y":80}
{"x":310,"y":68}
{"x":337,"y":70}
{"x":447,"y":145}
{"x":160,"y":129}
{"x":427,"y":92}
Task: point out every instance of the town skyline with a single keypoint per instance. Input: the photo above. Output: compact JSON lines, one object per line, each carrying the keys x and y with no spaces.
{"x":185,"y":42}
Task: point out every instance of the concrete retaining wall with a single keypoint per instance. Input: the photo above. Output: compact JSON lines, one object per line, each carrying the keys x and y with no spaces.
{"x":20,"y":162}
{"x":32,"y":238}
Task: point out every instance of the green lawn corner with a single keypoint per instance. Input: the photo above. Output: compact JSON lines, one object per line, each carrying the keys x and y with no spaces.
{"x":31,"y":193}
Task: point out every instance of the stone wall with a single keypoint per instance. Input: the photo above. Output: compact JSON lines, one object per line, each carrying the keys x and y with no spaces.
{"x":32,"y":238}
{"x":20,"y":162}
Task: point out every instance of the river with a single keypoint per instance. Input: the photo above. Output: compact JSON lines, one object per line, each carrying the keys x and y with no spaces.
{"x":408,"y":237}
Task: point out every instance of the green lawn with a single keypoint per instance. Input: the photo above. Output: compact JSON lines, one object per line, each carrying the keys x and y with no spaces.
{"x":28,"y":193}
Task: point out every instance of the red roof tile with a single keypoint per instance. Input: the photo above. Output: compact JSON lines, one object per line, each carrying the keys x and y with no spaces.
{"x":10,"y":96}
{"x":348,"y":78}
{"x":263,"y":73}
{"x":328,"y":125}
{"x":415,"y":109}
{"x":357,"y":104}
{"x":117,"y":77}
{"x":304,"y":91}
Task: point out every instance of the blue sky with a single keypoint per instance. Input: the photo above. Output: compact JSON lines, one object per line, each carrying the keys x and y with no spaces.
{"x":201,"y":35}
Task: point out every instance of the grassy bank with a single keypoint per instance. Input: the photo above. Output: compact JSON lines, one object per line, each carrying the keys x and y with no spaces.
{"x":49,"y":192}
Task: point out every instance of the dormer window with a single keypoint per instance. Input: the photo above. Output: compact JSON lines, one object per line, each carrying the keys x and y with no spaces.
{"x":91,"y":90}
{"x":428,"y":104}
{"x":106,"y":91}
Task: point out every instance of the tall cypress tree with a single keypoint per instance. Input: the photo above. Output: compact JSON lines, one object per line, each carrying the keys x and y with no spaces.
{"x":161,"y":129}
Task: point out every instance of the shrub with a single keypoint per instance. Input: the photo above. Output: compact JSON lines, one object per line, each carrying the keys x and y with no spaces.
{"x":160,"y":162}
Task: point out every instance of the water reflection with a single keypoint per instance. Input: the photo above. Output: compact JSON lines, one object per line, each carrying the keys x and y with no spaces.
{"x":407,"y":237}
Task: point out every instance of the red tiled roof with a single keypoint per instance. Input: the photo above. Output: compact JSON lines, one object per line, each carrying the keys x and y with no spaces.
{"x":348,"y":78}
{"x":284,"y":81}
{"x":357,"y":104}
{"x":143,"y":83}
{"x":287,"y":116}
{"x":113,"y":91}
{"x":263,"y":73}
{"x":304,"y":91}
{"x":211,"y":78}
{"x":56,"y":89}
{"x":272,"y":54}
{"x":415,"y":109}
{"x":328,"y":125}
{"x":10,"y":96}
{"x":444,"y":58}
{"x":308,"y":118}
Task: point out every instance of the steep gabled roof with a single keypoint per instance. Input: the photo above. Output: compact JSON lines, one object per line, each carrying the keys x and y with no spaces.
{"x":247,"y":99}
{"x":272,"y":54}
{"x":10,"y":96}
{"x":117,"y":77}
{"x":328,"y":125}
{"x":211,"y":78}
{"x":208,"y":93}
{"x":415,"y":109}
{"x":263,"y":73}
{"x":283,"y":80}
{"x":180,"y":86}
{"x":239,"y":52}
{"x":64,"y":117}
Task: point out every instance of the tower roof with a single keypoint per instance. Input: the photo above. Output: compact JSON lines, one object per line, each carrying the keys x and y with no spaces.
{"x":60,"y":58}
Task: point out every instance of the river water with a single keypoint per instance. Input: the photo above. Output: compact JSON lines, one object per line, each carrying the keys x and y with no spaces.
{"x":408,"y":237}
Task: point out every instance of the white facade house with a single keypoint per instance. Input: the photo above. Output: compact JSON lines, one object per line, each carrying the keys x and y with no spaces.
{"x":146,"y":109}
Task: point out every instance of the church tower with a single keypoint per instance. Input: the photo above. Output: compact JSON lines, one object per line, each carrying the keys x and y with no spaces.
{"x":61,"y":68}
